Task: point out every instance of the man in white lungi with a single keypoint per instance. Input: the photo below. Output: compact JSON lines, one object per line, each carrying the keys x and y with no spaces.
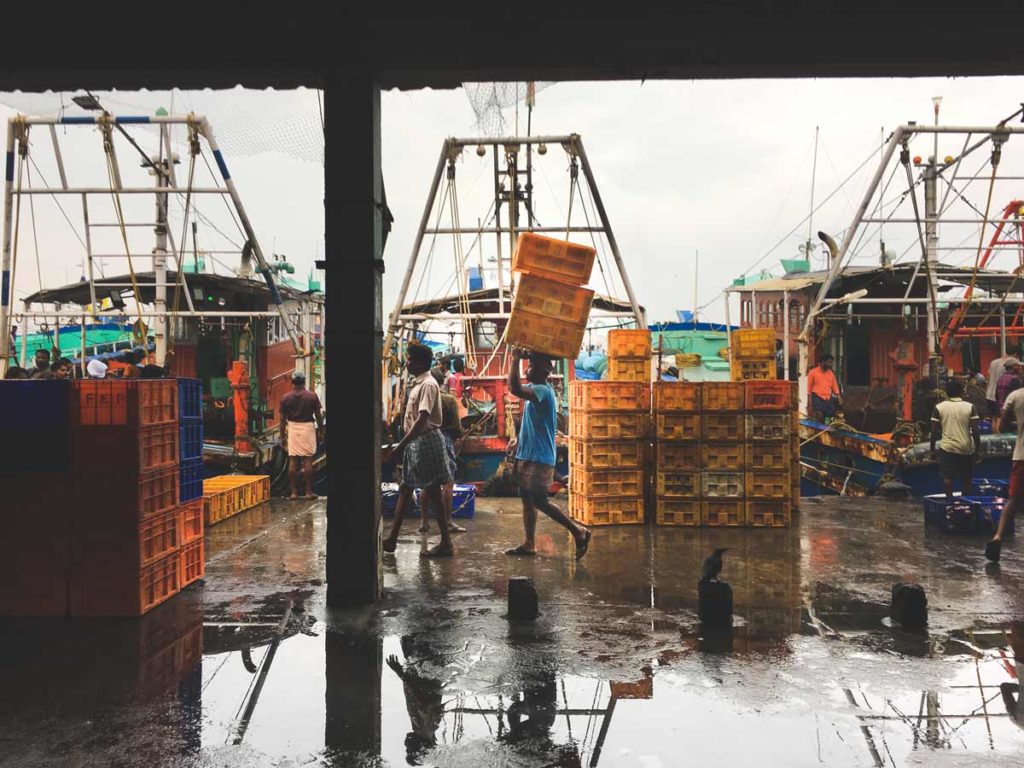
{"x":299,"y":409}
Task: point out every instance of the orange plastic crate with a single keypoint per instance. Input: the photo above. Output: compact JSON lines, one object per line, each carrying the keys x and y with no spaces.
{"x":768,"y":457}
{"x":193,"y":564}
{"x":770,"y":395}
{"x":124,"y":450}
{"x":769,"y":513}
{"x":613,"y":482}
{"x":117,"y":593}
{"x":541,"y":296}
{"x":677,"y":426}
{"x":159,"y":536}
{"x":677,"y":396}
{"x":677,"y":512}
{"x":609,"y":425}
{"x":721,"y":396}
{"x":126,"y":402}
{"x":673,"y":455}
{"x":617,"y":454}
{"x":637,"y":369}
{"x":768,"y":427}
{"x":554,"y":259}
{"x":752,"y":342}
{"x":723,"y":457}
{"x":680,"y":483}
{"x":723,"y":427}
{"x":769,"y":485}
{"x":158,"y":491}
{"x":609,"y":396}
{"x":190,"y":520}
{"x":627,"y":510}
{"x":722,"y":485}
{"x":722,"y":513}
{"x":629,"y":342}
{"x":548,"y":335}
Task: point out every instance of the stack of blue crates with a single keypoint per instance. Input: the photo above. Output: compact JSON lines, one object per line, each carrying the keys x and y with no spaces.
{"x":981,"y":515}
{"x":190,"y":442}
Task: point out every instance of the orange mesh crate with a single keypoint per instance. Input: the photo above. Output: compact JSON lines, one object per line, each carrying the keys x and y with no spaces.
{"x":677,"y":396}
{"x":612,"y":454}
{"x":190,"y":520}
{"x":193,"y":564}
{"x":609,"y":425}
{"x":627,"y":510}
{"x":768,"y":427}
{"x":609,"y":396}
{"x":752,"y":342}
{"x":117,"y":593}
{"x":548,"y":335}
{"x":770,"y":395}
{"x":157,"y":491}
{"x":680,"y":512}
{"x":124,"y":450}
{"x":629,"y":342}
{"x":541,"y":296}
{"x":722,"y":485}
{"x":677,"y":426}
{"x":721,"y":396}
{"x":613,"y":482}
{"x":636,"y":369}
{"x":769,"y":513}
{"x":554,"y":259}
{"x":769,"y":485}
{"x":723,"y":513}
{"x":722,"y":427}
{"x":670,"y":455}
{"x":723,"y":457}
{"x":126,"y":402}
{"x":679,"y":483}
{"x":769,"y":457}
{"x":159,"y":536}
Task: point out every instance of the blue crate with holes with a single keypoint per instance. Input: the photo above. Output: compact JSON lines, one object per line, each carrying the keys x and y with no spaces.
{"x":190,"y":399}
{"x":988,"y":487}
{"x":956,"y":516}
{"x":190,"y":480}
{"x":190,"y":440}
{"x":463,"y":501}
{"x":989,"y":510}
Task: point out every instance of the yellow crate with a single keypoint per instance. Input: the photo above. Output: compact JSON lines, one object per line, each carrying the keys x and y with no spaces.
{"x":721,"y":396}
{"x":551,"y":298}
{"x":609,"y":425}
{"x":626,"y":510}
{"x":761,"y":368}
{"x":723,"y":457}
{"x":678,"y":455}
{"x":637,"y":369}
{"x":722,"y":485}
{"x":677,"y":396}
{"x":769,"y":513}
{"x":768,"y":428}
{"x":677,"y":483}
{"x":617,"y":454}
{"x":768,"y":457}
{"x":677,"y":426}
{"x":605,"y":483}
{"x":548,"y":335}
{"x":722,"y":427}
{"x":677,"y":512}
{"x":769,"y":485}
{"x":747,"y":343}
{"x":723,"y":513}
{"x":609,"y":396}
{"x":228,"y":495}
{"x":629,"y":342}
{"x":554,"y":259}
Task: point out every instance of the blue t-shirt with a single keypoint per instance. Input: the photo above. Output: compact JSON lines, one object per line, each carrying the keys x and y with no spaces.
{"x":537,"y":434}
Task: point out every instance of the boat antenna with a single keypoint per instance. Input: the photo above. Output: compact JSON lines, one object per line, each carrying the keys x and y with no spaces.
{"x":808,"y":245}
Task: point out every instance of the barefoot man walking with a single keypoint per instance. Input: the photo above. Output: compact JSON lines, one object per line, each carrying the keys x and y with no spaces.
{"x":535,"y":457}
{"x":299,"y":409}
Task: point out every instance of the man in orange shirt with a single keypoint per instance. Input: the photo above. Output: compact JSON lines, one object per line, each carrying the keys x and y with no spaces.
{"x":823,"y":389}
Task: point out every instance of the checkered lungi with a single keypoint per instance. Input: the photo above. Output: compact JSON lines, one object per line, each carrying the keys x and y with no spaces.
{"x":449,"y":446}
{"x":533,"y":477}
{"x":425,"y":462}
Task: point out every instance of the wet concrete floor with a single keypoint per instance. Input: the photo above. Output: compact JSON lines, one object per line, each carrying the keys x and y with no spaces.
{"x":251,"y":669}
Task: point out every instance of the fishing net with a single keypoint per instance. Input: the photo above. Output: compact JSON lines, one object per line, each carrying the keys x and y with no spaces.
{"x":490,"y":100}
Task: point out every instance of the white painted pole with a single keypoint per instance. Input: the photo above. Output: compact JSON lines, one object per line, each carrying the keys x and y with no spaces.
{"x":88,"y":254}
{"x":160,"y":265}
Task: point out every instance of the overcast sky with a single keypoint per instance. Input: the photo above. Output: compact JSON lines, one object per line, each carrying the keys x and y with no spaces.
{"x":719,"y":167}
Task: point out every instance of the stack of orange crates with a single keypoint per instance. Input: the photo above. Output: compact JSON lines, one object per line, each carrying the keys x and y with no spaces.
{"x":677,"y":449}
{"x":133,"y":545}
{"x":629,"y":355}
{"x":608,"y":442}
{"x":752,"y":354}
{"x":551,"y":307}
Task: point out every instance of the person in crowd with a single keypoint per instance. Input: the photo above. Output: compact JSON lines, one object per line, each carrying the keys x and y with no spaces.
{"x":1011,"y":418}
{"x":16,"y":372}
{"x":996,"y":369}
{"x":42,"y":363}
{"x":300,"y":409}
{"x":824,"y":390}
{"x":957,"y":421}
{"x":451,"y":430}
{"x":1008,"y":382}
{"x":61,"y":368}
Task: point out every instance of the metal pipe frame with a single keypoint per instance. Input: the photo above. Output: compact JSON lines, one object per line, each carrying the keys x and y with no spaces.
{"x":6,"y":289}
{"x":121,"y":191}
{"x":455,"y":143}
{"x":153,"y":313}
{"x":483,"y":316}
{"x":498,"y":231}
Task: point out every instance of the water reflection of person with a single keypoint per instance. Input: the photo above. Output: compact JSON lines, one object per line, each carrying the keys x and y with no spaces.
{"x":423,"y":702}
{"x":1012,"y":698}
{"x":531,"y":715}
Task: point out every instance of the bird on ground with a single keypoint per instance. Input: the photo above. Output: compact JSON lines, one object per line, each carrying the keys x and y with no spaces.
{"x":713,"y":565}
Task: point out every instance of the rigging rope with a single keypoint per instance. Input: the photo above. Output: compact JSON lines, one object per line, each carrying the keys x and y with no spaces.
{"x":194,"y":149}
{"x":21,"y":131}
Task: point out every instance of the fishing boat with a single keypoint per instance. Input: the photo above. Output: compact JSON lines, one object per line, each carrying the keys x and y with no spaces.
{"x":224,"y":314}
{"x":467,"y":306}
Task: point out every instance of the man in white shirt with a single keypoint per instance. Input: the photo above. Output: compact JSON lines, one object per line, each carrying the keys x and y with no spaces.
{"x":996,"y":369}
{"x":957,"y":420}
{"x":1012,"y":417}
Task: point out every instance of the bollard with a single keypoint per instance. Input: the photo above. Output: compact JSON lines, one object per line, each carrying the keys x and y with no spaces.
{"x":714,"y":605}
{"x":909,"y":607}
{"x":522,"y":599}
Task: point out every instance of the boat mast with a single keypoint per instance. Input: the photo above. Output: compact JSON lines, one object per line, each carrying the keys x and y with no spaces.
{"x":808,"y":245}
{"x":158,"y":167}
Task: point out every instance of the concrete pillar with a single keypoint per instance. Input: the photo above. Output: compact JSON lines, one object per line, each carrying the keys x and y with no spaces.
{"x":353,"y":698}
{"x":353,"y":263}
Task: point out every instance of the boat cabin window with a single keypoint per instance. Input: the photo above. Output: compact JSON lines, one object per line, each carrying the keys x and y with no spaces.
{"x":746,"y":315}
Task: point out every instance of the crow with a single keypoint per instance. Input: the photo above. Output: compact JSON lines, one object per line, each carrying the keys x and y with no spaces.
{"x":713,"y":565}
